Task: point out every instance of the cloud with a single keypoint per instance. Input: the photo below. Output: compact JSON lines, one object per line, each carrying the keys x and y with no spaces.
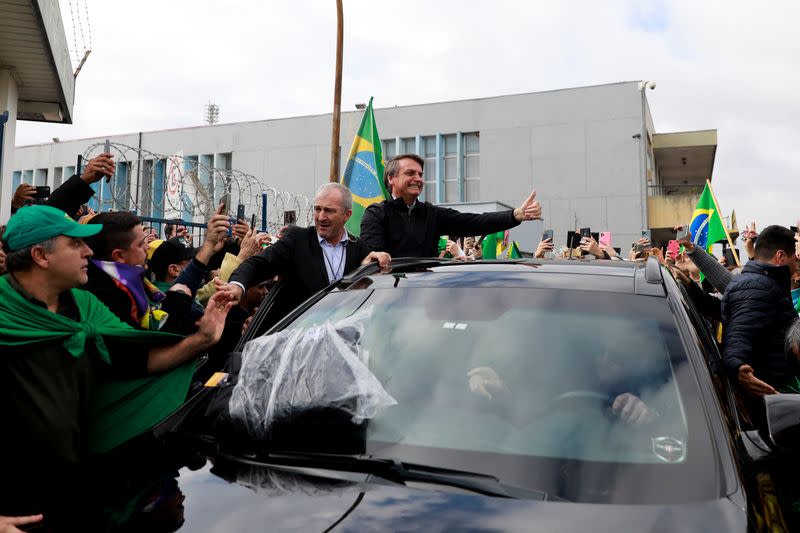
{"x":724,"y":65}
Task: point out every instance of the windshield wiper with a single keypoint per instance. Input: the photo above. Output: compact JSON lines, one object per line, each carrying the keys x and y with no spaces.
{"x":401,"y":472}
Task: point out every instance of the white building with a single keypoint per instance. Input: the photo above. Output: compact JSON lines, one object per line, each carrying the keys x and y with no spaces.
{"x":580,"y":148}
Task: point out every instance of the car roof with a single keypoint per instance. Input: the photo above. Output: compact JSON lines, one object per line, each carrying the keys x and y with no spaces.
{"x":625,"y":277}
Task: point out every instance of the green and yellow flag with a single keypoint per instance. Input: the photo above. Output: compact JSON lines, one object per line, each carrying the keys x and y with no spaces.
{"x":500,"y":246}
{"x":707,"y":226}
{"x":364,"y":172}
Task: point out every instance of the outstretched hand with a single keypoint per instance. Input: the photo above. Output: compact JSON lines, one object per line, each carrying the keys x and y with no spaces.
{"x":753,"y":385}
{"x":529,"y":210}
{"x":8,"y":524}
{"x":212,"y":323}
{"x":483,"y":380}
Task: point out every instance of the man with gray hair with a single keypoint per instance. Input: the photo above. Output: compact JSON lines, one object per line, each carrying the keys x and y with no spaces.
{"x":307,"y":259}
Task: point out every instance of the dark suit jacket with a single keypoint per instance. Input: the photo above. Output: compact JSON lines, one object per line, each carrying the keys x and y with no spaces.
{"x":391,"y":227}
{"x":297,"y":258}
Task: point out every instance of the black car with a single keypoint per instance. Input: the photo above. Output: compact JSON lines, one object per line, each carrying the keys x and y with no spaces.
{"x":501,"y":396}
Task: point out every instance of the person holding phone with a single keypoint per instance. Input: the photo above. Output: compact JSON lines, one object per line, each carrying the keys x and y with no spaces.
{"x":545,"y":247}
{"x":73,"y":193}
{"x":77,"y":190}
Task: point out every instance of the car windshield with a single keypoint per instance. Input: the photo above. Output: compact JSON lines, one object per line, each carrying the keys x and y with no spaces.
{"x":534,"y":386}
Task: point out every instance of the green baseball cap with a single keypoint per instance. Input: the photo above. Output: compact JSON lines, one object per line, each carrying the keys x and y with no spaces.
{"x":37,"y":223}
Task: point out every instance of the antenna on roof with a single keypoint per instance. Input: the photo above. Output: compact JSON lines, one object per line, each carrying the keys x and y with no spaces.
{"x":212,"y":113}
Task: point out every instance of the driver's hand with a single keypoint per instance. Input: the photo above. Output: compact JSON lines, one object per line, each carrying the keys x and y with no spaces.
{"x":632,"y":410}
{"x":483,"y":379}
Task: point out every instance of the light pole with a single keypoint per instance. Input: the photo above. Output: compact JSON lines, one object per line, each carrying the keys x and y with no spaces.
{"x":643,"y":149}
{"x":337,"y":96}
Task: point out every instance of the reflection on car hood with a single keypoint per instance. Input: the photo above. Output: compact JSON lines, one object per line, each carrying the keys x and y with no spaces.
{"x":262,"y":499}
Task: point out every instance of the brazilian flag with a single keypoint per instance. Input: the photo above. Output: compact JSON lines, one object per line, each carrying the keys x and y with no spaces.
{"x":499,"y":246}
{"x":707,"y":226}
{"x":364,"y":172}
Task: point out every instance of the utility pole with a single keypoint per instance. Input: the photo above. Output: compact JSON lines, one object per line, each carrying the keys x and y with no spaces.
{"x":337,"y":95}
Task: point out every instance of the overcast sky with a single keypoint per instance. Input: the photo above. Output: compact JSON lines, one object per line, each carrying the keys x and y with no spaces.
{"x":729,"y":65}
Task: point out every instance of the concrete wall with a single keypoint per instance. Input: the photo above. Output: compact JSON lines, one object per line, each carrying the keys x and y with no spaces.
{"x":574,"y":146}
{"x":671,"y":211}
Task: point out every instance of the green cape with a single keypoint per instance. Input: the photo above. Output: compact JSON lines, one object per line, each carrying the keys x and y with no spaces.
{"x":120,"y":408}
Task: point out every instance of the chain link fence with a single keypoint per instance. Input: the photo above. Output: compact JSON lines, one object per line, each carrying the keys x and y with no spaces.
{"x":190,"y":188}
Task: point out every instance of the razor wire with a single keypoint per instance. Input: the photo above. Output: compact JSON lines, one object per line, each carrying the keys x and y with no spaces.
{"x":186,"y":188}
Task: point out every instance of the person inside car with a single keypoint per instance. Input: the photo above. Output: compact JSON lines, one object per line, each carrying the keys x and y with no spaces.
{"x":618,"y":377}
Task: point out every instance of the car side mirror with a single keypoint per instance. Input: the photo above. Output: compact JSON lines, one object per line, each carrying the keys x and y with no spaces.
{"x":783,"y":421}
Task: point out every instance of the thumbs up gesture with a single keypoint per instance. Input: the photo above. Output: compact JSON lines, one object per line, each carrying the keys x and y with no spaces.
{"x":529,"y":210}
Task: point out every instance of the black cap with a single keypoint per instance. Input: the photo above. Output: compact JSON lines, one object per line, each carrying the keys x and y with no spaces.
{"x":170,"y":252}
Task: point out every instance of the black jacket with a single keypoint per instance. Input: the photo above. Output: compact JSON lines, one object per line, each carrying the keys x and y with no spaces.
{"x":71,"y":195}
{"x":297,"y":258}
{"x":392,"y":227}
{"x":756,"y":312}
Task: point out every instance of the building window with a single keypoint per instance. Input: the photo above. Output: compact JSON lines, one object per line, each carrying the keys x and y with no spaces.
{"x":408,"y":145}
{"x":452,"y":180}
{"x":428,"y":154}
{"x":16,"y":180}
{"x":389,"y":149}
{"x":472,"y":164}
{"x":120,"y":186}
{"x":58,"y":176}
{"x":40,"y":177}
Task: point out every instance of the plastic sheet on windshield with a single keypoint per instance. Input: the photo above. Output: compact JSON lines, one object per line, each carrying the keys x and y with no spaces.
{"x":296,"y":370}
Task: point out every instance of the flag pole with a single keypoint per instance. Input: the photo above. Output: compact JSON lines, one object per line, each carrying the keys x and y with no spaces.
{"x":728,"y":235}
{"x":337,"y":96}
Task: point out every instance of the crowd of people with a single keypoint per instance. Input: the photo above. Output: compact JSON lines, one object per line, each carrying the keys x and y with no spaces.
{"x":105,"y":325}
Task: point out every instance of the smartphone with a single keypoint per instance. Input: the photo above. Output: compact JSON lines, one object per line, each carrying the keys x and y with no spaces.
{"x":42,"y":194}
{"x":586,"y":232}
{"x":240,"y":212}
{"x":232,"y":222}
{"x":730,"y":258}
{"x":646,"y":234}
{"x":107,"y":150}
{"x":682,"y":233}
{"x":573,"y":239}
{"x":605,"y":239}
{"x":673,"y":249}
{"x":253,"y":221}
{"x":547,"y":234}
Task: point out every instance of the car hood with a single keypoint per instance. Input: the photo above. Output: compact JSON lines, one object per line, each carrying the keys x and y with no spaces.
{"x":265,"y":499}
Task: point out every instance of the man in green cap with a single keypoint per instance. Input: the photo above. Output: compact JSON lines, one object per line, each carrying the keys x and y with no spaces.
{"x":74,"y":379}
